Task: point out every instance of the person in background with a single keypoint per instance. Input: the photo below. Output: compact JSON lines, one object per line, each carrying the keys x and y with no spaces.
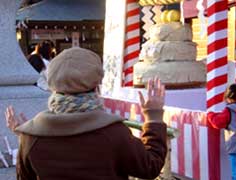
{"x":35,"y":49}
{"x":226,"y":119}
{"x":36,"y":61}
{"x":45,"y":50}
{"x":76,"y":139}
{"x":54,"y":51}
{"x":40,"y":59}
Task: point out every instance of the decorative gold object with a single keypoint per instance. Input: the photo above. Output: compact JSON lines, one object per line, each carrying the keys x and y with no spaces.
{"x":157,"y":2}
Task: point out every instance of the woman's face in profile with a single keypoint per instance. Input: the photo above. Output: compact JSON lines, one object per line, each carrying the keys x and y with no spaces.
{"x":228,"y":100}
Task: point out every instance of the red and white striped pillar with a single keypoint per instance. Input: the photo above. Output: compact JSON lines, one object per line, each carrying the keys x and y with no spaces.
{"x":217,"y":72}
{"x":217,"y":63}
{"x":132,"y":40}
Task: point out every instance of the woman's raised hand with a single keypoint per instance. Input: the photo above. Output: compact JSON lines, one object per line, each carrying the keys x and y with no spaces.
{"x":12,"y":120}
{"x":152,"y":106}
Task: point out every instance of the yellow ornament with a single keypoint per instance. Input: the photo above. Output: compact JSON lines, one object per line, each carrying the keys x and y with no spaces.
{"x":173,"y":15}
{"x":172,"y":1}
{"x":163,"y":2}
{"x":143,"y":2}
{"x":151,"y":2}
{"x":157,"y":2}
{"x":164,"y":16}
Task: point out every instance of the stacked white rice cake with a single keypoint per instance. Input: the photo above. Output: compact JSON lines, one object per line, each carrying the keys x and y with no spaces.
{"x":170,"y":54}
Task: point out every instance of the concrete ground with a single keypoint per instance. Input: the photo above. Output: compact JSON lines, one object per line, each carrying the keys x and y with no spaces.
{"x":8,"y":173}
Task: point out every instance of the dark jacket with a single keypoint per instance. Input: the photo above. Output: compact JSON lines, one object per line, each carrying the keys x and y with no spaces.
{"x":230,"y":134}
{"x":88,"y":146}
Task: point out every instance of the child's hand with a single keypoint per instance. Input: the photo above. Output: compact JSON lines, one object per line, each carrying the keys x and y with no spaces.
{"x":12,"y":120}
{"x":152,"y":107}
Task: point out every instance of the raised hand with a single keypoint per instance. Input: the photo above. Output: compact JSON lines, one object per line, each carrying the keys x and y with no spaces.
{"x":12,"y":120}
{"x":152,"y":106}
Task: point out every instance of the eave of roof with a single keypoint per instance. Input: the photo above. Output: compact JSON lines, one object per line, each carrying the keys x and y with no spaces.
{"x":63,"y":10}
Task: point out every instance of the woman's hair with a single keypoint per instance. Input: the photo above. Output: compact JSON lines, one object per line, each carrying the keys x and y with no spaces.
{"x":230,"y":92}
{"x":36,"y":61}
{"x":45,"y":49}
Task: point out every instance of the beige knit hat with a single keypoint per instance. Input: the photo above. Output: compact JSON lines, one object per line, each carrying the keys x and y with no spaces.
{"x":75,"y":70}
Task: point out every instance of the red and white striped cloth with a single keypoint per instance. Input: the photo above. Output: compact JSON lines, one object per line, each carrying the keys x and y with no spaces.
{"x":132,"y":40}
{"x":217,"y":64}
{"x":195,"y":153}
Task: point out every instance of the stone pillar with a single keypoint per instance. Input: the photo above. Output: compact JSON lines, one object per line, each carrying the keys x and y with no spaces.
{"x":16,"y":74}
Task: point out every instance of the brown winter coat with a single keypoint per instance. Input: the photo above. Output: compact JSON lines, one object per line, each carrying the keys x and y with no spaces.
{"x":88,"y":146}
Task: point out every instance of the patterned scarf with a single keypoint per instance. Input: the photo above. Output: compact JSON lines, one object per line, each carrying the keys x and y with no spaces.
{"x":83,"y":102}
